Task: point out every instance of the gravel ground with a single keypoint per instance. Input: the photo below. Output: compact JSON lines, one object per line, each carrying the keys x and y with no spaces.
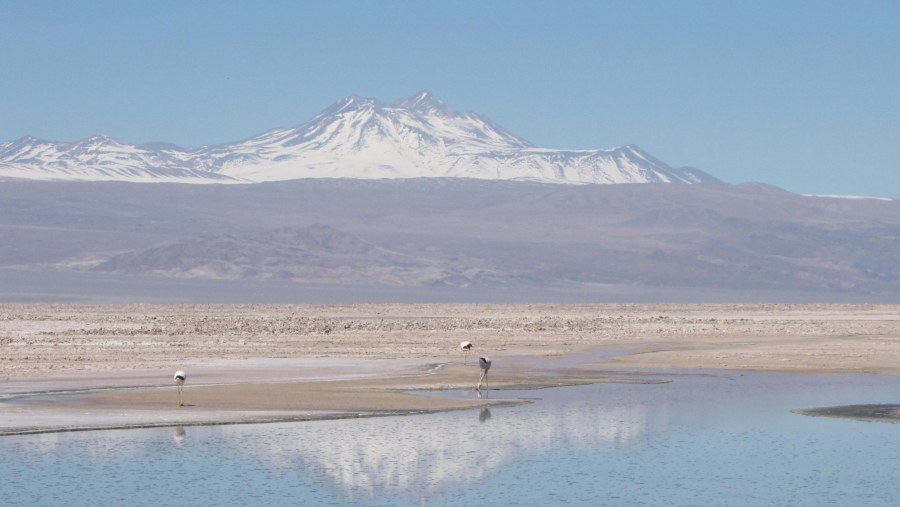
{"x":40,"y":340}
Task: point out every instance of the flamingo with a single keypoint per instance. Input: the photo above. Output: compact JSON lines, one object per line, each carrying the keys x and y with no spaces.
{"x":485,"y":365}
{"x":466,"y":347}
{"x":180,"y":377}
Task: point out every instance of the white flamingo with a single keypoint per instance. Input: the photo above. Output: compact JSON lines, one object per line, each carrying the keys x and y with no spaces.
{"x":466,"y":347}
{"x":485,"y":365}
{"x":180,"y":377}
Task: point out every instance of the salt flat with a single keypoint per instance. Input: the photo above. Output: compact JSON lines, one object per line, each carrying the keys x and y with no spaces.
{"x":111,"y":365}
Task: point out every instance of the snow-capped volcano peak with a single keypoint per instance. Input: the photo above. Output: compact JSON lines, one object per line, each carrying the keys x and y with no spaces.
{"x":424,"y":102}
{"x":356,"y":137}
{"x":422,"y":115}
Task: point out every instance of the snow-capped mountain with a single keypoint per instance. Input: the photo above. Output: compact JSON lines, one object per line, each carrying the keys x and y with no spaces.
{"x":356,"y":138}
{"x":99,"y":158}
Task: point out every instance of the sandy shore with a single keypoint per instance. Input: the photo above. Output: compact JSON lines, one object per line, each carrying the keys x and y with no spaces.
{"x":81,"y":366}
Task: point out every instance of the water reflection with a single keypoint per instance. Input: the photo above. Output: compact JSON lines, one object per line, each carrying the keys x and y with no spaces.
{"x":179,"y":435}
{"x":702,"y":439}
{"x":426,"y":454}
{"x":97,"y":446}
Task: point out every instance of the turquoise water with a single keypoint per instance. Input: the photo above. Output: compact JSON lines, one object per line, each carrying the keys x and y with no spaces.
{"x":699,"y":440}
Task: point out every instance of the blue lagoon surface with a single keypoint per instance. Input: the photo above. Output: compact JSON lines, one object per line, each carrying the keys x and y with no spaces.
{"x":722,"y":439}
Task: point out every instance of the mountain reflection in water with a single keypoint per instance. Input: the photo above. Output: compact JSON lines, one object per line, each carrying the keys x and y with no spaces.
{"x":723,"y":439}
{"x":428,"y":453}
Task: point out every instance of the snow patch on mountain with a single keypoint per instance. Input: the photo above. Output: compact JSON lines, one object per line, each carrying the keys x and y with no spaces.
{"x":851,"y":197}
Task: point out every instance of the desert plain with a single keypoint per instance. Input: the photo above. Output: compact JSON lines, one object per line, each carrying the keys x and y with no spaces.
{"x":75,"y":367}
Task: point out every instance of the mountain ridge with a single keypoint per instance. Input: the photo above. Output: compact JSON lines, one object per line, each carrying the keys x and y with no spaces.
{"x":354,"y":138}
{"x":439,"y":239}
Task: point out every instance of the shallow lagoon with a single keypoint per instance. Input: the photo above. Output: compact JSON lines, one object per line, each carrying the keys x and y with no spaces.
{"x":724,"y":439}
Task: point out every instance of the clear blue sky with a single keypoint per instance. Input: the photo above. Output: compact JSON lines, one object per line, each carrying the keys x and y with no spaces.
{"x":804,"y":95}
